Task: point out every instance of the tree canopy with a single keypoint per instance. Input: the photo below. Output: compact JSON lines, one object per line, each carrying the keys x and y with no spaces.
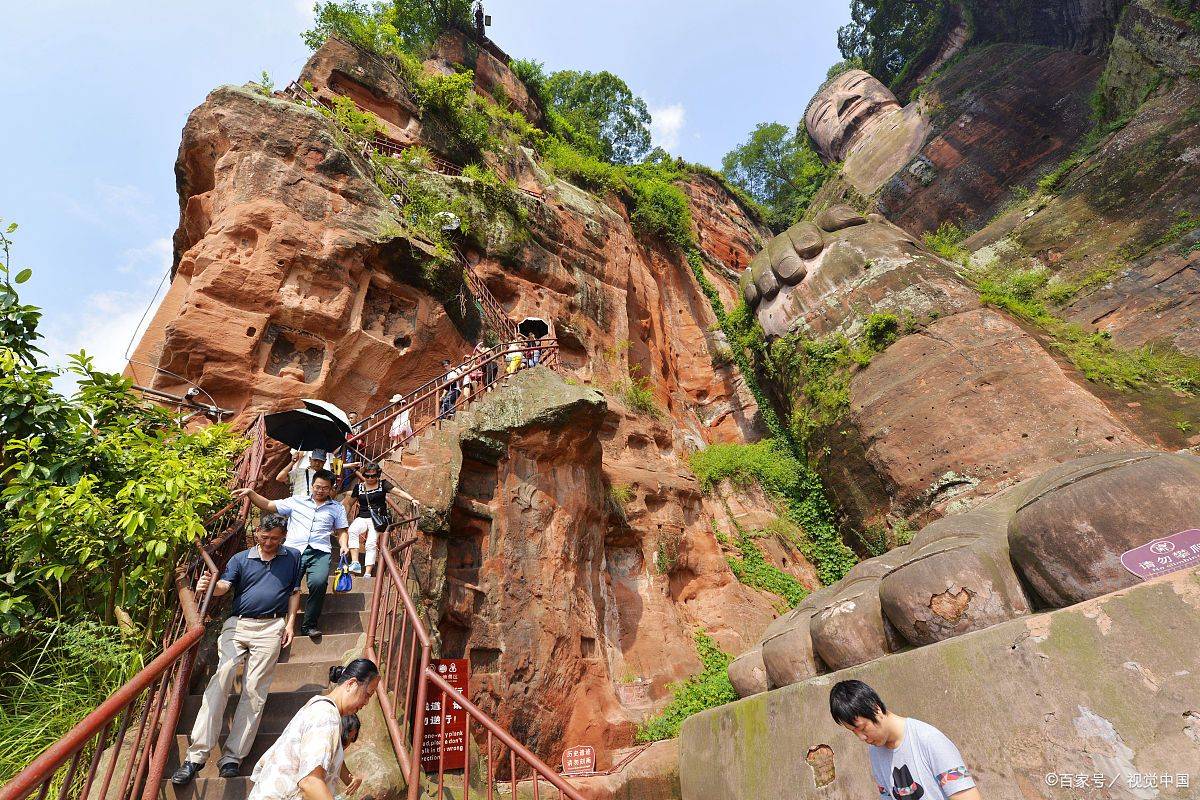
{"x":602,"y":110}
{"x":416,"y":23}
{"x":779,"y":169}
{"x":888,"y":35}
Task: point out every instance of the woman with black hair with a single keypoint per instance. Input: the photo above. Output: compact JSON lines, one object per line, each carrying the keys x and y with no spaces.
{"x":307,"y":759}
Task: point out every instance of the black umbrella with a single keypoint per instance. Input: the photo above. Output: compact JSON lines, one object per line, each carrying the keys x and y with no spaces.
{"x":303,"y":429}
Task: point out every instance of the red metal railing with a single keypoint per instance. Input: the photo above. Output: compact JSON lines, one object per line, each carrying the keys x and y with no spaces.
{"x":130,"y":735}
{"x":398,"y":643}
{"x":442,"y":397}
{"x":494,"y":315}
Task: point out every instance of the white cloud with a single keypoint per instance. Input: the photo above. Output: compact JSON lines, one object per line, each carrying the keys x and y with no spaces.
{"x":153,"y":258}
{"x":305,"y":9}
{"x":110,"y":202}
{"x":107,"y":324}
{"x":666,"y":124}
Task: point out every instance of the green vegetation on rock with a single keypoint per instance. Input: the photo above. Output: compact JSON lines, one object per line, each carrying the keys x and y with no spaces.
{"x":753,"y":569}
{"x":889,"y":38}
{"x":1027,"y":294}
{"x":792,"y":484}
{"x":709,"y":689}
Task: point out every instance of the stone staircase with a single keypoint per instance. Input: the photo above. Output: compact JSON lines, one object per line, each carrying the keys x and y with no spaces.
{"x":302,"y":672}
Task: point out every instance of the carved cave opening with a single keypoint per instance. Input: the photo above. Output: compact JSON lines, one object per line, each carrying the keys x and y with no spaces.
{"x":293,"y":354}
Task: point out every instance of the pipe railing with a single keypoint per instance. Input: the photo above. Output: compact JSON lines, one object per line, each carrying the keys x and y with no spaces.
{"x":442,"y":397}
{"x":398,"y":643}
{"x":120,"y":749}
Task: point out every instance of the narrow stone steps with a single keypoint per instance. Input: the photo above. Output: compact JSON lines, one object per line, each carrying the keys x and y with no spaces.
{"x":328,"y":646}
{"x":261,"y":745}
{"x":279,"y":710}
{"x":337,"y":603}
{"x":209,"y":789}
{"x":295,"y":676}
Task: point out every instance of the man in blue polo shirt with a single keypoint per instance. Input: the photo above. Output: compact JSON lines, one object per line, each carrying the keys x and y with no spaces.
{"x":312,"y":522}
{"x":265,"y":581}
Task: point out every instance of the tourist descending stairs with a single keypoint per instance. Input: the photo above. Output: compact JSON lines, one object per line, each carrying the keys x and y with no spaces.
{"x":302,"y":672}
{"x":128,"y":745}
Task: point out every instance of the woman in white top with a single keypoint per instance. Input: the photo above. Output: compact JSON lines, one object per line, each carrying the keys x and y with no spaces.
{"x":307,"y":759}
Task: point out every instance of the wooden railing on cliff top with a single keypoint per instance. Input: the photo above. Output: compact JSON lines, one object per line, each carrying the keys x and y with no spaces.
{"x":133,"y":732}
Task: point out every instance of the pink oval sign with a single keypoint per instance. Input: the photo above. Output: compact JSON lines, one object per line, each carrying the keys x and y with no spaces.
{"x":1162,"y":556}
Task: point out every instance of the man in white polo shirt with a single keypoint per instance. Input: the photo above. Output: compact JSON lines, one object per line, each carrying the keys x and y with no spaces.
{"x":312,"y":522}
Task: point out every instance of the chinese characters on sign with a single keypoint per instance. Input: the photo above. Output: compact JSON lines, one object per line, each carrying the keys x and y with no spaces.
{"x":1161,"y":556}
{"x":579,"y":760}
{"x":450,"y":720}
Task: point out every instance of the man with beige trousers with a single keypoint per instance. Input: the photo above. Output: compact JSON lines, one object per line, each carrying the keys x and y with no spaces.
{"x":265,"y":581}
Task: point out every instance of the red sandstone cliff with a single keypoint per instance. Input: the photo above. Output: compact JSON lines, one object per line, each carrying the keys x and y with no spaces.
{"x":291,"y":282}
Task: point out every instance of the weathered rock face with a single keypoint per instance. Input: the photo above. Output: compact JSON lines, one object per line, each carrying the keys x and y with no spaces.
{"x":1120,"y":224}
{"x":1002,"y":113}
{"x":957,"y":410}
{"x":577,"y":609}
{"x":1085,"y":26}
{"x":556,"y":592}
{"x":283,"y":287}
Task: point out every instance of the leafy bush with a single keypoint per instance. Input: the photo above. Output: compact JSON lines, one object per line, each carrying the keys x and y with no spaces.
{"x":348,"y":118}
{"x":380,"y":26}
{"x":101,"y":492}
{"x":880,"y":331}
{"x":532,"y":74}
{"x":947,"y":241}
{"x":637,"y":393}
{"x":600,"y":106}
{"x":753,"y":569}
{"x":661,"y":209}
{"x":709,"y":689}
{"x":778,"y":169}
{"x":890,"y":36}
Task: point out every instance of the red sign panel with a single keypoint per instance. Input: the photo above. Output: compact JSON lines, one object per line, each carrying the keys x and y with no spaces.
{"x":1170,"y":554}
{"x":445,"y":727}
{"x":579,"y":760}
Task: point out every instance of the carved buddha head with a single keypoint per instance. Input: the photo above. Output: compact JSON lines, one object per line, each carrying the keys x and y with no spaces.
{"x":840,"y":112}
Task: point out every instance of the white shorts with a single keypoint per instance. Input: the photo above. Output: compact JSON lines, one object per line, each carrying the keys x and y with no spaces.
{"x":360,"y":528}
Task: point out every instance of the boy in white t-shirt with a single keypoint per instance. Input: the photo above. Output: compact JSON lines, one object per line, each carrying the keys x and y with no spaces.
{"x":910,"y":759}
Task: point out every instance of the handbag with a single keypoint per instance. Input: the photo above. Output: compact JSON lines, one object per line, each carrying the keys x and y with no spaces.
{"x":381,"y":518}
{"x":344,"y":580}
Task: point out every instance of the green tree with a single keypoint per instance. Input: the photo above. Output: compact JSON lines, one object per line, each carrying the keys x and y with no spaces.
{"x":378,"y":25}
{"x":99,"y":492}
{"x":779,"y":169}
{"x":607,"y":118}
{"x":888,"y":35}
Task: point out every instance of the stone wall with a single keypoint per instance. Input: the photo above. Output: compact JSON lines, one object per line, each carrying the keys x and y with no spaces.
{"x":1104,"y":687}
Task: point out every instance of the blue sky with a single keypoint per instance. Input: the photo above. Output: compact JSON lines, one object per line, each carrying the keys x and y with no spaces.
{"x":95,"y":95}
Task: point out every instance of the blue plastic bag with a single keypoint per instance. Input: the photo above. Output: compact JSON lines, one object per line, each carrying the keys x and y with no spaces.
{"x":344,"y":580}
